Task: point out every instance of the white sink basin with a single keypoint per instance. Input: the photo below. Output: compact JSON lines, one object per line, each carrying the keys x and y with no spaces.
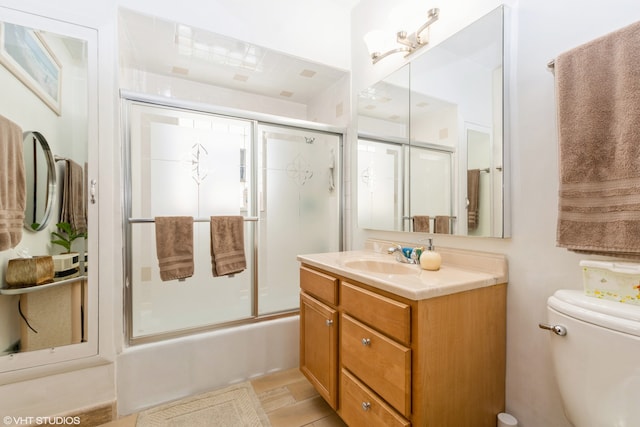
{"x":380,"y":266}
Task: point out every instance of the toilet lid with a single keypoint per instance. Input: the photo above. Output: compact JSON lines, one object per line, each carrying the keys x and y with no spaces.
{"x":608,"y":314}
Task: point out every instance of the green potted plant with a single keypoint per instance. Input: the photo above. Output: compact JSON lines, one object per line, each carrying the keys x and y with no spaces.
{"x":66,"y":265}
{"x":66,"y":235}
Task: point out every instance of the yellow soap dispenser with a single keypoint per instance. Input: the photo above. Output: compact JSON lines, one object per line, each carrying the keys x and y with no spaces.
{"x":430,"y":259}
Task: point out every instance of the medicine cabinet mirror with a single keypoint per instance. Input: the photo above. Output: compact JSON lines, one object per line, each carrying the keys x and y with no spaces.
{"x":431,"y":149}
{"x":48,"y":75}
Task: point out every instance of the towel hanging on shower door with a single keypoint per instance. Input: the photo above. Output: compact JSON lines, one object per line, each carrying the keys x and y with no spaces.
{"x":174,"y":247}
{"x":227,"y":245}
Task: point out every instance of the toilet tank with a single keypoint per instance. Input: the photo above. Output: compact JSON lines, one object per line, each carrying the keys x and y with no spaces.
{"x":597,"y":363}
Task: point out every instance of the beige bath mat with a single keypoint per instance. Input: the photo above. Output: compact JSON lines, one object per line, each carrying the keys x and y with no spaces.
{"x":234,"y":406}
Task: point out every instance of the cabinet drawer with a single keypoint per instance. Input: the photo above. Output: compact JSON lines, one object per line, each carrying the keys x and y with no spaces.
{"x":360,"y":407}
{"x":319,"y":285}
{"x":384,"y":314}
{"x":381,"y":363}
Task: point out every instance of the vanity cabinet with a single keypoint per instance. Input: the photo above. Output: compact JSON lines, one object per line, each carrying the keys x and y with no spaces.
{"x":433,"y":362}
{"x":319,"y":333}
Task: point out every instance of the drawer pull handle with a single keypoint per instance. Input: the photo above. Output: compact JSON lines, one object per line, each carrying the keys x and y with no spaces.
{"x":366,"y":406}
{"x":329,"y":322}
{"x":366,"y":341}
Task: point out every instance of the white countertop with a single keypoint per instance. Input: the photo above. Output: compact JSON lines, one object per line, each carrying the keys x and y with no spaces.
{"x":460,"y":271}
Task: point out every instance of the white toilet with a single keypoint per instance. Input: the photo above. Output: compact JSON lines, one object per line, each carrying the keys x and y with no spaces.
{"x":597,"y":360}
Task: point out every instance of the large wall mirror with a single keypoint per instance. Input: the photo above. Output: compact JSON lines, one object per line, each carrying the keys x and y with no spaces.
{"x":48,"y":75}
{"x":431,"y":140}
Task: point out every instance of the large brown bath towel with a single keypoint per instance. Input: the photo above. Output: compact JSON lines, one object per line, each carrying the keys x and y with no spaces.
{"x":227,"y":245}
{"x":12,"y":184}
{"x":598,"y":99}
{"x":174,"y":246}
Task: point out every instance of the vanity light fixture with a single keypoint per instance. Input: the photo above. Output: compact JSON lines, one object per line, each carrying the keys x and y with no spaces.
{"x":409,"y":42}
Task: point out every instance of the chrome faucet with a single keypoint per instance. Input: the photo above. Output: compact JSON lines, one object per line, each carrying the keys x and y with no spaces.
{"x":400,"y":256}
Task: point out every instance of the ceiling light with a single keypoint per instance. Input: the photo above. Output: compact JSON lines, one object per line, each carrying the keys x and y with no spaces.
{"x":307,"y":73}
{"x":219,"y":50}
{"x":380,"y":46}
{"x":180,"y":70}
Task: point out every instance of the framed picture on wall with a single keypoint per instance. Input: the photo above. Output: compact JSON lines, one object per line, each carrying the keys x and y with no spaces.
{"x":25,"y":53}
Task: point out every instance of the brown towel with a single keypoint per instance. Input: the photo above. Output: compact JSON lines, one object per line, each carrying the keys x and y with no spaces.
{"x":442,"y":224}
{"x":227,"y":245}
{"x":12,"y":184}
{"x":73,"y":196}
{"x":598,"y":103}
{"x":473,"y":190}
{"x":421,"y":223}
{"x":174,"y":246}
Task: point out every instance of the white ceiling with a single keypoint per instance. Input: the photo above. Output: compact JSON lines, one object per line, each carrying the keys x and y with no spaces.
{"x":170,"y":49}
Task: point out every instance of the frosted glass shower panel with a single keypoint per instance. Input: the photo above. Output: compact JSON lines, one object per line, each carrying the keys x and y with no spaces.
{"x":188,"y":163}
{"x":194,"y":164}
{"x":299,"y":208}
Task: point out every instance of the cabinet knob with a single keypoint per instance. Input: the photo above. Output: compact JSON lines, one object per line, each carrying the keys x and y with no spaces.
{"x":366,"y":341}
{"x":366,"y":406}
{"x":329,"y":322}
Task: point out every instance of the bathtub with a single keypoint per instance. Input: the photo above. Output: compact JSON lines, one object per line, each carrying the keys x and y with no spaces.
{"x":152,"y":374}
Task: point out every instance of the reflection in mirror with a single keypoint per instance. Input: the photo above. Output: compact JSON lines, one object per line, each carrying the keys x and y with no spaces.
{"x":47,"y":92}
{"x":40,"y":181}
{"x":454,"y":125}
{"x":383,"y":129}
{"x":431,"y":205}
{"x":380,"y":184}
{"x":480,"y":195}
{"x":383,"y":109}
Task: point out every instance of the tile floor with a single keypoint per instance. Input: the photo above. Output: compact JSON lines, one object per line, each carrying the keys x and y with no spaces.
{"x":287,"y":398}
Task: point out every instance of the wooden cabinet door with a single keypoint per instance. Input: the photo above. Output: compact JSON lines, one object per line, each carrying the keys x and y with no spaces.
{"x":319,"y":347}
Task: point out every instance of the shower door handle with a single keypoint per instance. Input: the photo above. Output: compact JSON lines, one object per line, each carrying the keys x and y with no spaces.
{"x":556,"y":329}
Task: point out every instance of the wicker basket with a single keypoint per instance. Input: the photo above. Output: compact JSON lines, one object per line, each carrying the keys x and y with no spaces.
{"x":25,"y":272}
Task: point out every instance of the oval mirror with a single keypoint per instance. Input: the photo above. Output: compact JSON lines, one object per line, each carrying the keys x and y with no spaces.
{"x":41,"y":180}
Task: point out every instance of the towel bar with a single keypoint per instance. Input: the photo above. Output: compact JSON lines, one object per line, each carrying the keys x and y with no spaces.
{"x":143,"y":220}
{"x":451,"y":218}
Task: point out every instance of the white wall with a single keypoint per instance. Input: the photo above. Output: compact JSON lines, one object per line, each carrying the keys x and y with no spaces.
{"x":542,"y":30}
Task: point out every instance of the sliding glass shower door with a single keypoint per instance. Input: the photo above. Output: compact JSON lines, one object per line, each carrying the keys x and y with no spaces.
{"x":186,"y":164}
{"x":181,"y":162}
{"x":299,"y":208}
